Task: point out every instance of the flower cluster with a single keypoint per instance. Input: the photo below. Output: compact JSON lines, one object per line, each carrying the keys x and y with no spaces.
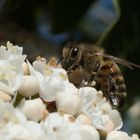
{"x":11,"y":73}
{"x":50,"y":107}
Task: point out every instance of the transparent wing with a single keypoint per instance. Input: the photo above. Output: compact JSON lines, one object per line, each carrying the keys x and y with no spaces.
{"x":119,"y":60}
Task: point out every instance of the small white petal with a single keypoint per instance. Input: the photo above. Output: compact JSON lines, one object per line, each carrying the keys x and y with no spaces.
{"x":115,"y":117}
{"x":87,"y":94}
{"x":35,"y":129}
{"x":106,"y":108}
{"x":49,"y":88}
{"x":4,"y":96}
{"x":21,"y":118}
{"x":40,"y":65}
{"x":16,"y":132}
{"x":84,"y":119}
{"x":29,"y":87}
{"x":70,"y":88}
{"x":25,"y":68}
{"x":61,"y":72}
{"x":7,"y":113}
{"x":74,"y":136}
{"x":54,"y":119}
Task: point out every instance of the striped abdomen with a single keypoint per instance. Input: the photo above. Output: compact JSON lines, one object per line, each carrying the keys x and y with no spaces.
{"x":110,"y":80}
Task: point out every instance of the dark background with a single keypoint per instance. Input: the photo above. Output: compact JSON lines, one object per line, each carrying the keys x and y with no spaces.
{"x":42,"y":28}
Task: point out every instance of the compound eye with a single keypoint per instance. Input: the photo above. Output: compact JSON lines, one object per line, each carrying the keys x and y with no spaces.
{"x":74,"y":52}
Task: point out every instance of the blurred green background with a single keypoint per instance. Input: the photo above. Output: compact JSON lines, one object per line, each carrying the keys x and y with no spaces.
{"x":43,"y":27}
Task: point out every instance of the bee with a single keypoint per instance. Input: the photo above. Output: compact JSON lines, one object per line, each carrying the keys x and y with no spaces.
{"x":97,"y":66}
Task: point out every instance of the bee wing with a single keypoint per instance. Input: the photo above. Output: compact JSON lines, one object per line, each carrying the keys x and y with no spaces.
{"x":119,"y":61}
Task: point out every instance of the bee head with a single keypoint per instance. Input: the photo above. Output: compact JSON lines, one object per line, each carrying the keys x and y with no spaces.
{"x":71,"y":56}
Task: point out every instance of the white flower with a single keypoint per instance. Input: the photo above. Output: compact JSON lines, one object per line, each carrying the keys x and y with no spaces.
{"x":14,"y":125}
{"x":12,"y":53}
{"x":36,"y":130}
{"x":31,"y":130}
{"x":52,"y":81}
{"x":117,"y":135}
{"x":40,"y":65}
{"x":88,"y":132}
{"x":32,"y":109}
{"x":11,"y":72}
{"x":58,"y":127}
{"x":120,"y":135}
{"x":29,"y":87}
{"x":20,"y":117}
{"x":68,"y":103}
{"x":8,"y":114}
{"x":50,"y":87}
{"x":14,"y":131}
{"x":99,"y":110}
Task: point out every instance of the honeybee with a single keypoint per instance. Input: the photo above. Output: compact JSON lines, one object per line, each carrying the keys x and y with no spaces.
{"x":97,"y":66}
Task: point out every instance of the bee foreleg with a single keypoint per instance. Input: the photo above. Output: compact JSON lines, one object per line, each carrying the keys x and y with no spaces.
{"x":93,"y":74}
{"x":91,"y":79}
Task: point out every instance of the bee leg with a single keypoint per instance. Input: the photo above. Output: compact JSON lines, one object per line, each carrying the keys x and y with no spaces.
{"x":91,"y":79}
{"x":90,"y":82}
{"x":111,"y":92}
